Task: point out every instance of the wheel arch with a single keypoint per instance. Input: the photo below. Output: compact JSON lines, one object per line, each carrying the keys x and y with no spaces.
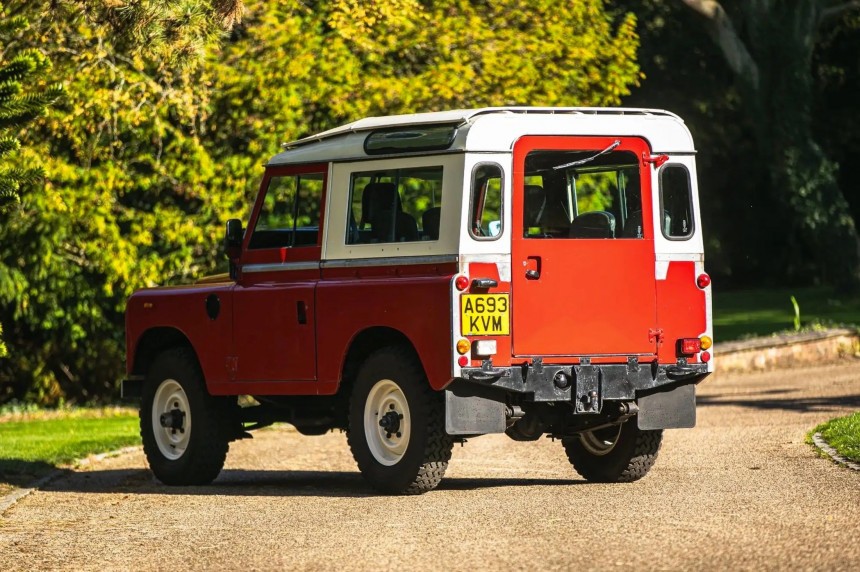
{"x":365,"y":343}
{"x":154,"y":341}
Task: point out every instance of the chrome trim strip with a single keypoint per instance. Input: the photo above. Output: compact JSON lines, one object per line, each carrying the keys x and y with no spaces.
{"x":281,"y":266}
{"x":391,"y":261}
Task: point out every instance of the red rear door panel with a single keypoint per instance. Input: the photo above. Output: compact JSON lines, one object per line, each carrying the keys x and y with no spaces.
{"x":592,"y":296}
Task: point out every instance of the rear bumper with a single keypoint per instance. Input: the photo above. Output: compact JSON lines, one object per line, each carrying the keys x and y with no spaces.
{"x":587,"y":384}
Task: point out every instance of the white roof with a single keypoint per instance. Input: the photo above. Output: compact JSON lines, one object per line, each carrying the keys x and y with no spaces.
{"x":495,"y":129}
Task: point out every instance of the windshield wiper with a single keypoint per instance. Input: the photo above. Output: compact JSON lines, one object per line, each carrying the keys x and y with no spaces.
{"x":579,"y":162}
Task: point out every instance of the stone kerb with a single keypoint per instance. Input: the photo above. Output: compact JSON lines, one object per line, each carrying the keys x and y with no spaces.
{"x":786,"y":350}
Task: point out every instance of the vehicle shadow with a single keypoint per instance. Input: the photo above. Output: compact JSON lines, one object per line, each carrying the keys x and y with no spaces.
{"x":22,"y":473}
{"x":766,"y":401}
{"x":241,"y":482}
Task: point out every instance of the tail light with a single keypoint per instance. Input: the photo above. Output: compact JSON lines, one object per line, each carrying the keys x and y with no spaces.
{"x":461,"y":282}
{"x":689,"y":346}
{"x":703,"y":281}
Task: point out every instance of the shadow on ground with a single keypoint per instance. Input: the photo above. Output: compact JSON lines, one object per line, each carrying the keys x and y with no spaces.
{"x":767,"y":401}
{"x":241,"y":482}
{"x":21,"y":473}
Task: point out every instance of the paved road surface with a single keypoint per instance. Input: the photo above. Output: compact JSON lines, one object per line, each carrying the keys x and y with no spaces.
{"x":741,"y":491}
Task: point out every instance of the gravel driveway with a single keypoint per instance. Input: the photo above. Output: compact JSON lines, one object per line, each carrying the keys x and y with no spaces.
{"x":741,"y":491}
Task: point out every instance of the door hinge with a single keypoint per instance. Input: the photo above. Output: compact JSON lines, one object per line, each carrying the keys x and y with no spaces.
{"x":655,"y":335}
{"x":656,"y":160}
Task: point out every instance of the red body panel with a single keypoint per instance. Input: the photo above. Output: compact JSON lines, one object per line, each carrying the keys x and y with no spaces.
{"x":270,"y":341}
{"x":593,"y":296}
{"x":417,"y":306}
{"x":183,"y":308}
{"x":681,"y":308}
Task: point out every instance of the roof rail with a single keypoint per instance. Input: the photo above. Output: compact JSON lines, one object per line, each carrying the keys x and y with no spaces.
{"x":462,"y":116}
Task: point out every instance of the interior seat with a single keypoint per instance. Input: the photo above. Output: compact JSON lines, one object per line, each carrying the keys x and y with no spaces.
{"x":594,"y":224}
{"x":430,"y":221}
{"x":382,"y":209}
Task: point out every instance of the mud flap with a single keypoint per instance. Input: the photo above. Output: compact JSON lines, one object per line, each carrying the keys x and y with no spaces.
{"x":672,"y":409}
{"x":470,"y":415}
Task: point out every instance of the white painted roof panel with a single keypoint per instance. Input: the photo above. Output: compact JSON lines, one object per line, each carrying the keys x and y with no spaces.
{"x":496,"y":130}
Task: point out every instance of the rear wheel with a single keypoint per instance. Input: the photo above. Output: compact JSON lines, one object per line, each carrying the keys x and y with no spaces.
{"x":616,"y":454}
{"x":183,"y":428}
{"x":397,"y":425}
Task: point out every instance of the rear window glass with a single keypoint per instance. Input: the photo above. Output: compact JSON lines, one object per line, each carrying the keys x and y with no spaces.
{"x":486,"y":217}
{"x":582,"y":194}
{"x":676,"y":201}
{"x":413,"y":138}
{"x":395,"y":205}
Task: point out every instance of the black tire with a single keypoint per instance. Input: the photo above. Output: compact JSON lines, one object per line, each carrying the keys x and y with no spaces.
{"x":427,"y":448}
{"x":615,"y":454}
{"x":200,"y":456}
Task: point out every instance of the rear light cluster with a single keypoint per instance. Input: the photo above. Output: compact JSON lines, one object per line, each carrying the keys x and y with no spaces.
{"x":692,"y":346}
{"x":480,"y":349}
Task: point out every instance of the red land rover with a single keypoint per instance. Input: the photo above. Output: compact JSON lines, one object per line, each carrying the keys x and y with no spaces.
{"x":418,"y":280}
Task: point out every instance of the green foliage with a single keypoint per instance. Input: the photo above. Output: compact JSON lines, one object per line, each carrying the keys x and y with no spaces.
{"x":23,"y":98}
{"x":796,"y":307}
{"x":843,"y":434}
{"x":146,"y":159}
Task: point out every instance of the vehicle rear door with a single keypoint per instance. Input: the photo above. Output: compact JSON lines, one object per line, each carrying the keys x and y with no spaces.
{"x":582,"y":268}
{"x":274,"y":331}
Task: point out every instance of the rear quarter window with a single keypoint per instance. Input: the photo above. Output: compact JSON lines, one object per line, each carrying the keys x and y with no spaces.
{"x":676,"y":202}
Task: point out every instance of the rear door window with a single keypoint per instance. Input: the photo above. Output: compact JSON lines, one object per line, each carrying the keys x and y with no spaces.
{"x":582,"y":194}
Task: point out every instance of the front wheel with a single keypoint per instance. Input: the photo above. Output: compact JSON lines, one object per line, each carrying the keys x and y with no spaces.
{"x":616,"y":454}
{"x":397,"y":425}
{"x":183,"y":428}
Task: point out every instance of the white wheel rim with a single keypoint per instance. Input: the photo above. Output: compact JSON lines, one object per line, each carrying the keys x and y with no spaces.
{"x":602,"y":444}
{"x":385,"y":400}
{"x":172,"y":442}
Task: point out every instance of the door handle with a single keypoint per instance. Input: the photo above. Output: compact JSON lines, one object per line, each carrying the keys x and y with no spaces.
{"x":533,"y":267}
{"x":302,"y":312}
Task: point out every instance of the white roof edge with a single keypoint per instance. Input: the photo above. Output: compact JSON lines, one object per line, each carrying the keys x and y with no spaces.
{"x":461,"y":116}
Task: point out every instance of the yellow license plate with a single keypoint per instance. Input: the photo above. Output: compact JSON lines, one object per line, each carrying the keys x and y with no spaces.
{"x":484,"y":314}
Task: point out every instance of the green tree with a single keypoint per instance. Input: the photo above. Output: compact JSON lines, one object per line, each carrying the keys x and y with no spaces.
{"x":22,"y":99}
{"x":769,"y":47}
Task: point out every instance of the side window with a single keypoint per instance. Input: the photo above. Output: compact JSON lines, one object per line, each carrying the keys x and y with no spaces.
{"x":582,"y":194}
{"x":290,"y":213}
{"x":676,"y":201}
{"x":395,"y":205}
{"x":486,"y":216}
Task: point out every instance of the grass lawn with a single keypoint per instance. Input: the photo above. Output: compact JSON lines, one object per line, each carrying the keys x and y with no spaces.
{"x":34,"y":444}
{"x":747,"y":313}
{"x":843,"y":434}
